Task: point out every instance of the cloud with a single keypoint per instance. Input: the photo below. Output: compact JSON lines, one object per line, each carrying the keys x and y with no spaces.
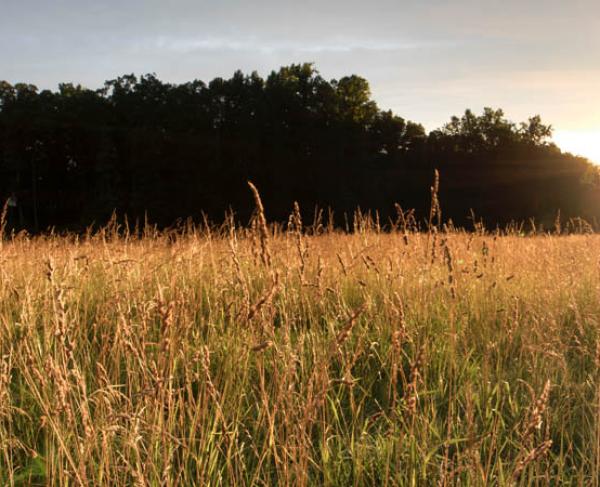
{"x":190,"y":45}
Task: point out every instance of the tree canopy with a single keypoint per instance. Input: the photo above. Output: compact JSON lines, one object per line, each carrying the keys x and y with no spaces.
{"x":140,"y":146}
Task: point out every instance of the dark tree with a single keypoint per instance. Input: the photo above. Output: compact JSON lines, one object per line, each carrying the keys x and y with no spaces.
{"x":141,"y":146}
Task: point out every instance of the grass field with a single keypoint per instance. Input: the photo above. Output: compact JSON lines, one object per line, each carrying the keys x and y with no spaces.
{"x":255,"y":357}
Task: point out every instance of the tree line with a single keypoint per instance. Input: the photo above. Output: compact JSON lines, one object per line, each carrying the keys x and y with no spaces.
{"x":149,"y":149}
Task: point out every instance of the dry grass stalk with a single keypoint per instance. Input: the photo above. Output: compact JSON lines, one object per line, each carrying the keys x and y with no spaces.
{"x":262,"y":346}
{"x":264,"y":300}
{"x":403,"y":222}
{"x":399,"y":335}
{"x":532,"y":456}
{"x":344,"y":333}
{"x":534,"y":422}
{"x":449,"y":266}
{"x":212,"y":390}
{"x":411,"y":395}
{"x":5,"y":379}
{"x":301,"y":246}
{"x":3,"y":217}
{"x":435,"y":212}
{"x":262,"y":227}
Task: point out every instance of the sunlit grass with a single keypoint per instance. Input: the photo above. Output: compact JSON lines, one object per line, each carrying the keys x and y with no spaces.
{"x":365,"y":359}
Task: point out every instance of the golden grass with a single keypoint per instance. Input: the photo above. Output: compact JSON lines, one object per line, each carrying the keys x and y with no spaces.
{"x":260,"y":358}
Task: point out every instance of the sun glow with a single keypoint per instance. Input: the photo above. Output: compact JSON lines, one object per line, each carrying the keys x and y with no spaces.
{"x":584,"y":143}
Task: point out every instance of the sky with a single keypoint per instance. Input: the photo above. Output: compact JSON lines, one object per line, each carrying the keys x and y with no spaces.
{"x":425,"y":59}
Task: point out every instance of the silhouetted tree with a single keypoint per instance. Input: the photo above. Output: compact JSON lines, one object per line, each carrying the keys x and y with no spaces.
{"x":139,"y":145}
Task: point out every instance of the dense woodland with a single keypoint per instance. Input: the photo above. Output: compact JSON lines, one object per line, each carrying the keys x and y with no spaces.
{"x":140,"y":146}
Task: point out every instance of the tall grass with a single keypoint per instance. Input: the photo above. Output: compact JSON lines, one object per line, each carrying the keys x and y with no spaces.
{"x":269,"y":357}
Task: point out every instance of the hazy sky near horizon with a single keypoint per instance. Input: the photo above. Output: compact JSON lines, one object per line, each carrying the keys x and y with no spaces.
{"x":426,"y":60}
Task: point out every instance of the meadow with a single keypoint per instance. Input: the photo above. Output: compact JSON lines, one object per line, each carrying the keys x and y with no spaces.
{"x":300,"y":355}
